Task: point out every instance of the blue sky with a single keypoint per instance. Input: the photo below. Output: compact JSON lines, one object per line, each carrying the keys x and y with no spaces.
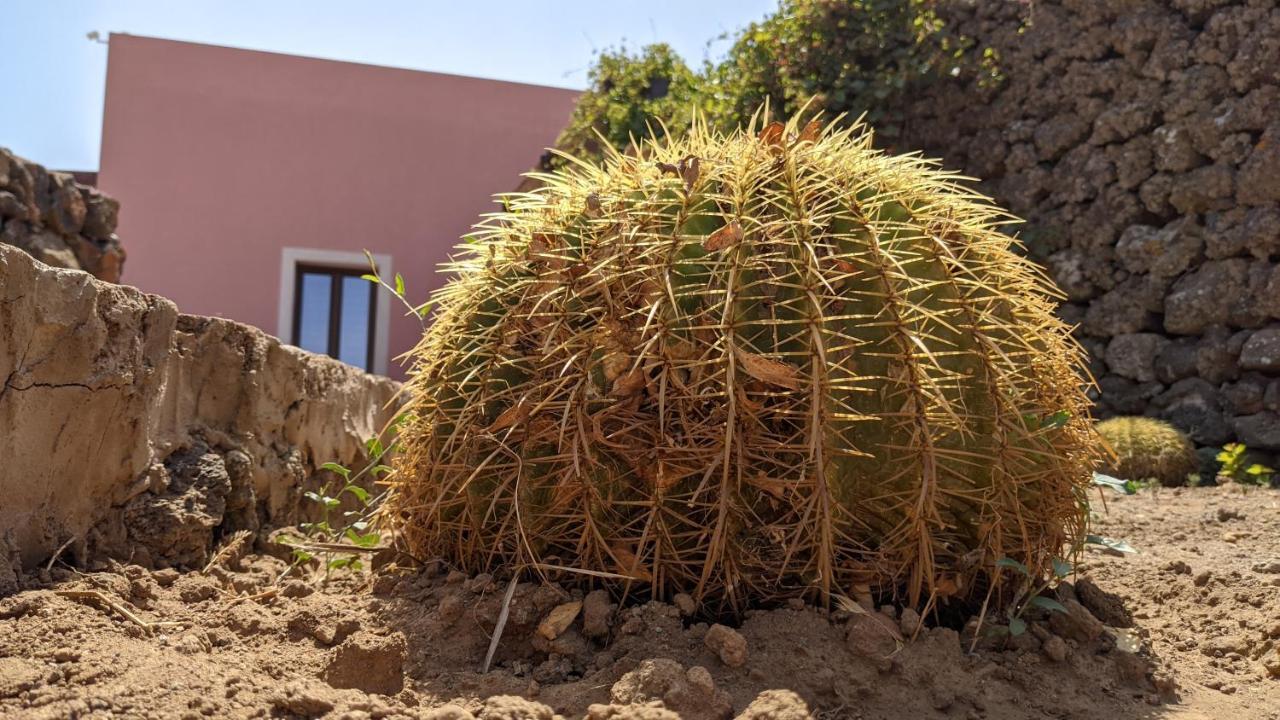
{"x":52,"y":107}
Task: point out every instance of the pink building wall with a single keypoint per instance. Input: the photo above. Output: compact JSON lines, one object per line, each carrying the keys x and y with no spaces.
{"x":221,"y":158}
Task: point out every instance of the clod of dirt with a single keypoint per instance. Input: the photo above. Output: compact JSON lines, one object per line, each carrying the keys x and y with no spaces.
{"x":776,"y":705}
{"x":1077,"y":623}
{"x":1227,"y":514}
{"x":193,"y":588}
{"x":692,"y":694}
{"x":684,"y":603}
{"x":597,"y":611}
{"x":514,"y":707}
{"x":295,"y":589}
{"x":559,"y":619}
{"x":449,"y":712}
{"x":18,"y":675}
{"x":1267,"y":568}
{"x":368,"y":662}
{"x":648,"y":711}
{"x":728,"y":644}
{"x":1132,"y":669}
{"x":303,"y":698}
{"x":1055,"y":648}
{"x":1107,"y":607}
{"x":910,"y":622}
{"x":872,"y":635}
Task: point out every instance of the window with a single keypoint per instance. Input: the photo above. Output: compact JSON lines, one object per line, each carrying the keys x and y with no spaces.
{"x":326,"y":307}
{"x":334,"y":313}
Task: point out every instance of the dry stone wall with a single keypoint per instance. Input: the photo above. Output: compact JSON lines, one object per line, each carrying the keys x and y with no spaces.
{"x":129,"y":430}
{"x":1140,"y":139}
{"x":55,"y":219}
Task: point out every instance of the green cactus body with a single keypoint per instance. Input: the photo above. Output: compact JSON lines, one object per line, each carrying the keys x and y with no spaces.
{"x":746,"y":368}
{"x":1148,"y":449}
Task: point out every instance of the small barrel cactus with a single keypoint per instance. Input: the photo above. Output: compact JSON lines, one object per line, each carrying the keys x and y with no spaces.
{"x":771,"y":364}
{"x":1147,"y":449}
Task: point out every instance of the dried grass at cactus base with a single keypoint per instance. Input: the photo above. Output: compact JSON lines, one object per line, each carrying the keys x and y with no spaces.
{"x":774,"y":364}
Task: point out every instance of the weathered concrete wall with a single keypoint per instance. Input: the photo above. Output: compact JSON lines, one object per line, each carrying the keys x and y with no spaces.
{"x":135,"y":429}
{"x":1140,"y":139}
{"x":60,"y":222}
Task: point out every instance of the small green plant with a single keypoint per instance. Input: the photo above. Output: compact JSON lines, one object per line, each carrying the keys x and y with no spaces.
{"x":1030,"y":594}
{"x":337,"y":542}
{"x":1236,"y":466}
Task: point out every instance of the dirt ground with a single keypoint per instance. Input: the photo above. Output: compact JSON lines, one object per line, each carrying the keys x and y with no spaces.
{"x":1186,"y":628}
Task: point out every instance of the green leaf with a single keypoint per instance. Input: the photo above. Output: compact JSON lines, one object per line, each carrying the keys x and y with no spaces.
{"x":1011,"y":563}
{"x":1116,"y":484}
{"x":1017,"y":626}
{"x":340,"y":562}
{"x":361,"y":494}
{"x":1057,"y":420}
{"x":335,"y":467}
{"x":314,"y":497}
{"x":302,"y":555}
{"x":371,"y":278}
{"x":1117,"y":545}
{"x":1061,"y":568}
{"x":365,"y":541}
{"x":399,"y":285}
{"x":373,"y":446}
{"x":1047,"y":603}
{"x":1256,"y":469}
{"x":380,"y":469}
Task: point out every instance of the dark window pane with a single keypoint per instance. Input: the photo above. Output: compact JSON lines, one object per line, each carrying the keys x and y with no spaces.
{"x":353,"y":345}
{"x":313,"y":320}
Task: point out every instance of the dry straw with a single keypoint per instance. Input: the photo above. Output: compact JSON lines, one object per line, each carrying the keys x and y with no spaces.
{"x":771,"y":364}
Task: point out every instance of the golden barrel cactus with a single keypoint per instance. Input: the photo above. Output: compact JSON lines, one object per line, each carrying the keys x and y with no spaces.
{"x":747,"y":367}
{"x":1147,"y":449}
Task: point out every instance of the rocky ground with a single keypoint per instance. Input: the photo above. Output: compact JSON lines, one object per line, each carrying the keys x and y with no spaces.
{"x":1186,"y":628}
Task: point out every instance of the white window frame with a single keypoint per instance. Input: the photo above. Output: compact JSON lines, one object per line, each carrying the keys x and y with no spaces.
{"x":292,"y":257}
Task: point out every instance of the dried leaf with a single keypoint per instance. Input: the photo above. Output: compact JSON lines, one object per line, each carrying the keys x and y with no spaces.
{"x":746,"y":403}
{"x":513,"y":415}
{"x":628,"y":564}
{"x":769,"y":485}
{"x":559,"y":619}
{"x":727,"y":236}
{"x":768,"y":370}
{"x":811,"y":132}
{"x":690,"y":168}
{"x":630,"y":383}
{"x":946,"y":585}
{"x":666,"y":477}
{"x":771,"y":136}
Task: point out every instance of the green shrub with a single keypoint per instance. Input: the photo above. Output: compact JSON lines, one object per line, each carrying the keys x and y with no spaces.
{"x":851,"y":57}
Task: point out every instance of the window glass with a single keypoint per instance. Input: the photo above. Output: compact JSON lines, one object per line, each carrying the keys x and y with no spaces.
{"x":353,"y":342}
{"x":313,"y":319}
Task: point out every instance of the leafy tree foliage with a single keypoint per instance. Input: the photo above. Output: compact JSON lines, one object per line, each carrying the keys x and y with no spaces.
{"x":835,"y":56}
